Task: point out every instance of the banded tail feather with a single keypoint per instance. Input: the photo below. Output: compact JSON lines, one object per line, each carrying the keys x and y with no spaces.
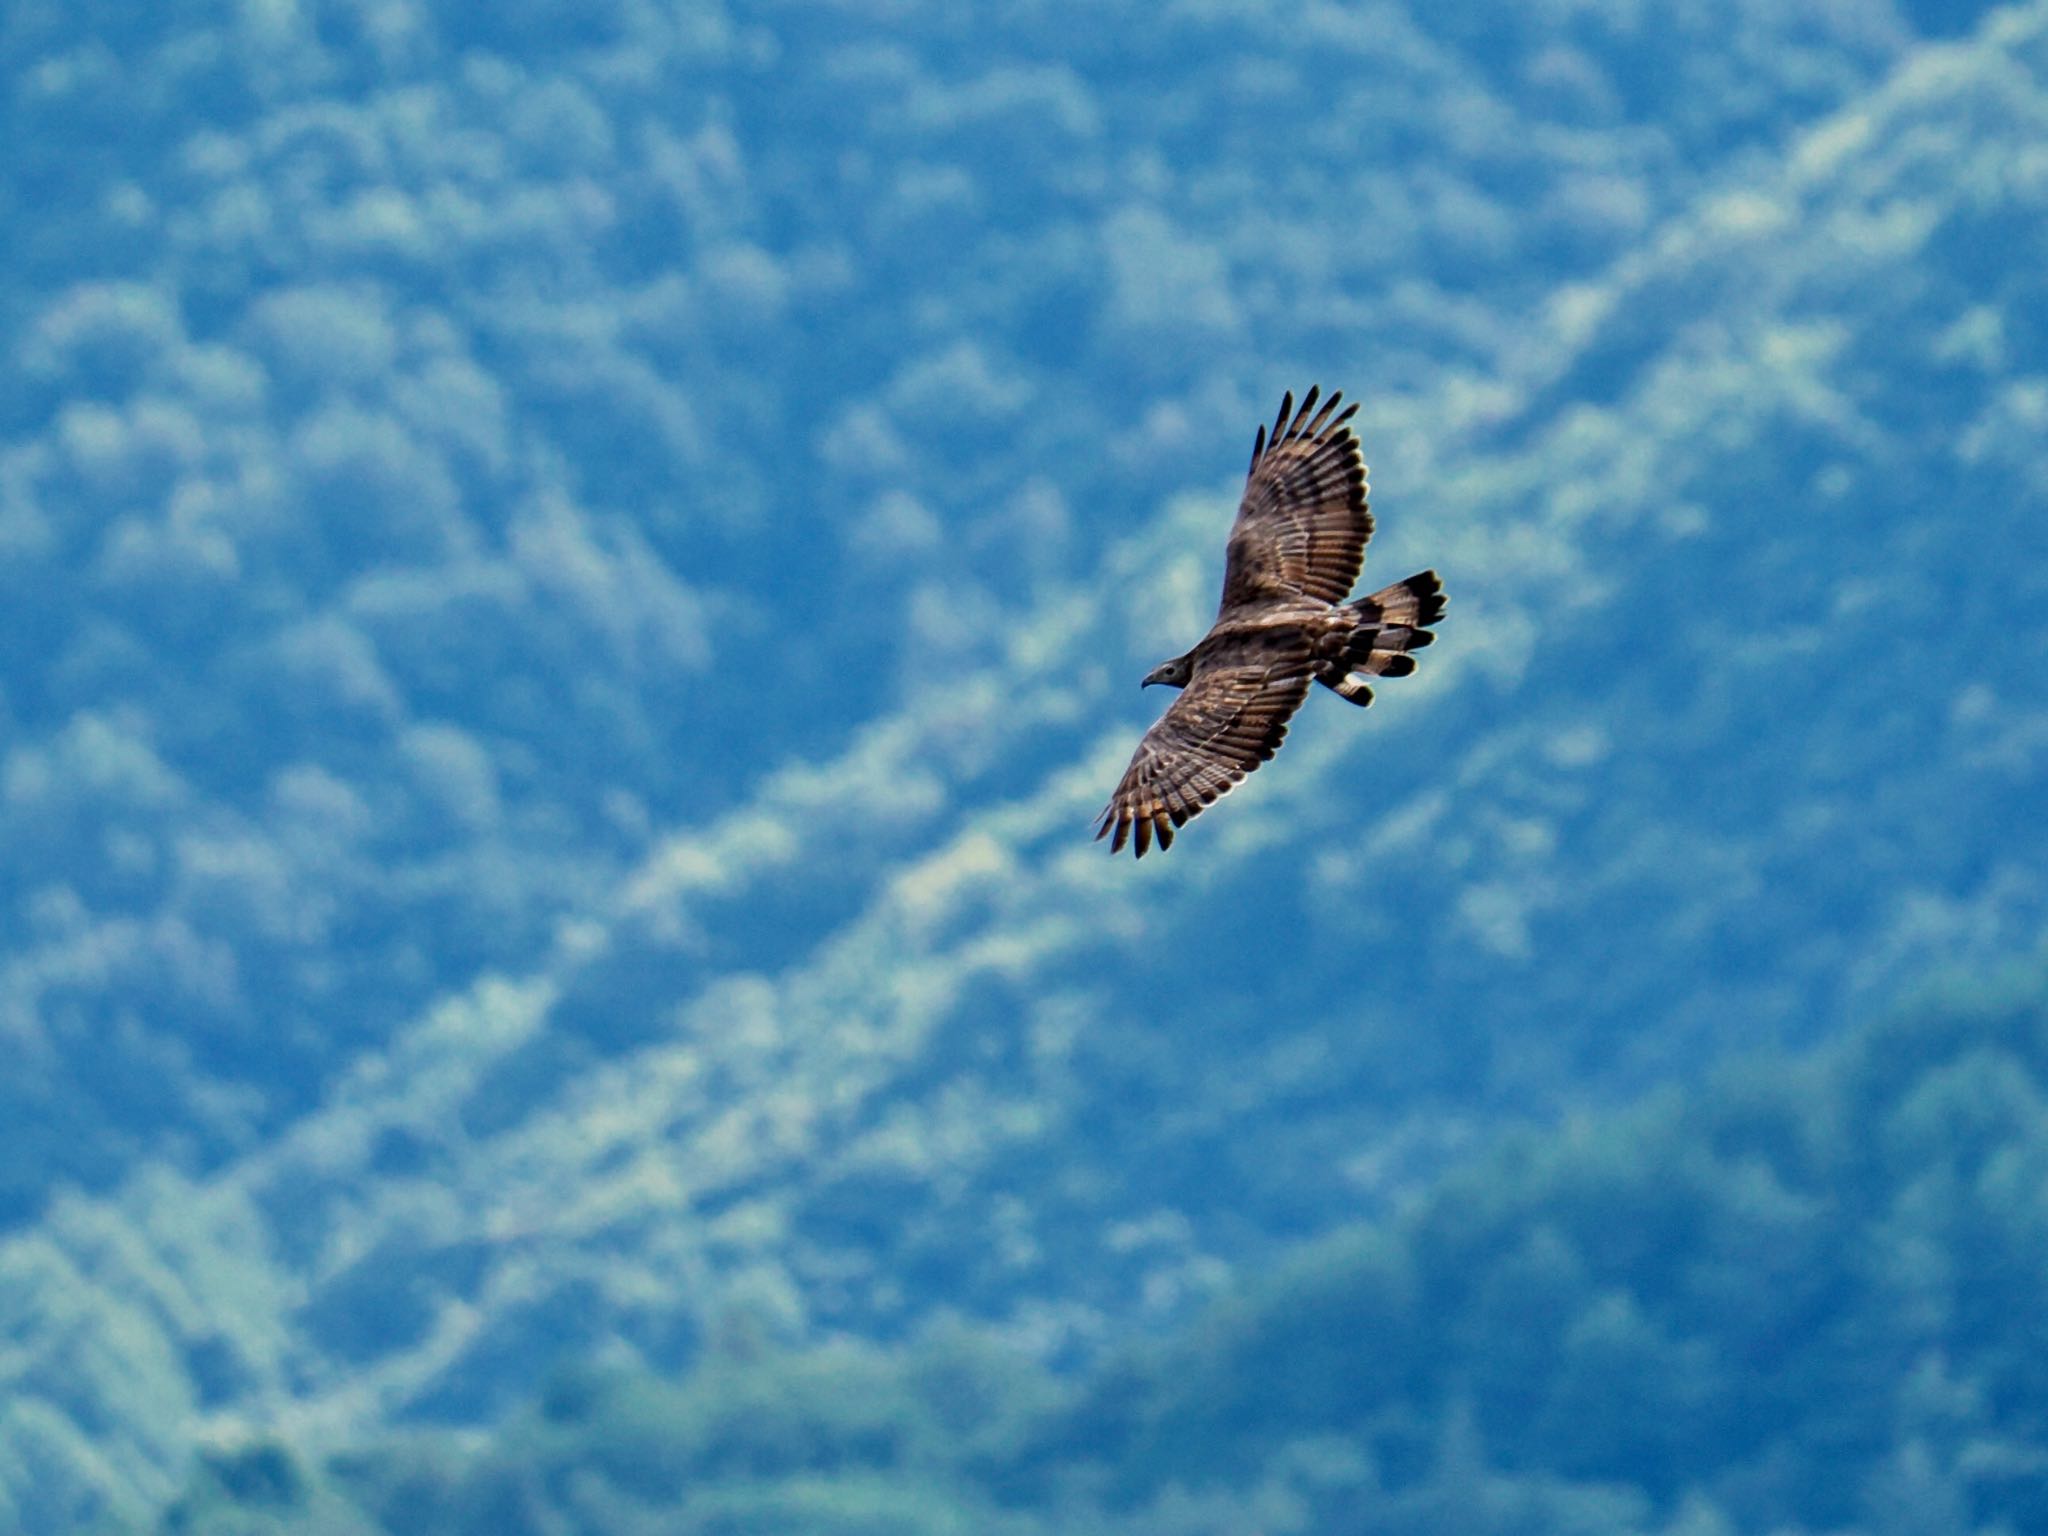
{"x":1417,"y":602}
{"x":1390,"y":626}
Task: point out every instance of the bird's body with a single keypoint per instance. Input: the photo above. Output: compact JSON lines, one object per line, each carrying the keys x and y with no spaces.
{"x":1294,"y":553}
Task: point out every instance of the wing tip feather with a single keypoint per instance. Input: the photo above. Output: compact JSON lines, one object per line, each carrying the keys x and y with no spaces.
{"x":1308,"y":404}
{"x":1295,"y":424}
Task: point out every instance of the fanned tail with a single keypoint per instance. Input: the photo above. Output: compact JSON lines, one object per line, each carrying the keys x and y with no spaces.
{"x":1391,"y":624}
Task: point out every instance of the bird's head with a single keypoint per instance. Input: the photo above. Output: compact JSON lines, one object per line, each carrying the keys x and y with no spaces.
{"x":1174,"y":673}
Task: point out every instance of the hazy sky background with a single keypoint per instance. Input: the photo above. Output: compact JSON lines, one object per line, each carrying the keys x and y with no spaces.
{"x":571,"y":576}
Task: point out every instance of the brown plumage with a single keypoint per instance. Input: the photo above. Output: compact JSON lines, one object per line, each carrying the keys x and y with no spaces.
{"x":1295,"y":550}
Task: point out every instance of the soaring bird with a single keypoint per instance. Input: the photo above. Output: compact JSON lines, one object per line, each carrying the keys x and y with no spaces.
{"x":1294,"y":553}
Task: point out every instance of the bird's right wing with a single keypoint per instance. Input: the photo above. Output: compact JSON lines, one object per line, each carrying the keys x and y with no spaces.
{"x":1230,"y":718}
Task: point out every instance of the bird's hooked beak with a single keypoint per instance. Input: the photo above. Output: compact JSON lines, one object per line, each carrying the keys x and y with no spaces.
{"x":1159,"y":674}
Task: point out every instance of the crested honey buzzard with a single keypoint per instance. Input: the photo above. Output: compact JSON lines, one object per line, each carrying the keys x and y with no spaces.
{"x":1294,"y":552}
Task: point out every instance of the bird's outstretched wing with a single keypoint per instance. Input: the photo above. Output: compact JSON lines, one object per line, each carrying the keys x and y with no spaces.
{"x":1229,"y":719}
{"x":1303,"y":523}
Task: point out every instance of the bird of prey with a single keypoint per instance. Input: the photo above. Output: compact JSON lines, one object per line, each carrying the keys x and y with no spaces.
{"x":1294,"y":552}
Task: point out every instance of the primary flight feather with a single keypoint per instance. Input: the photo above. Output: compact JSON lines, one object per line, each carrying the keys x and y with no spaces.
{"x":1295,"y":550}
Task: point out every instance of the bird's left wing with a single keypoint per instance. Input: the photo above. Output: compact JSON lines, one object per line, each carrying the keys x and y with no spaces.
{"x":1303,"y":524}
{"x":1230,"y":718}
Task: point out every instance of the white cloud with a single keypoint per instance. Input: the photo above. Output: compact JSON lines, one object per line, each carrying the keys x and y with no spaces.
{"x":104,"y":337}
{"x":330,"y":664}
{"x":614,"y":583}
{"x":325,"y":336}
{"x":1163,"y":280}
{"x":453,"y":770}
{"x":958,"y":385}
